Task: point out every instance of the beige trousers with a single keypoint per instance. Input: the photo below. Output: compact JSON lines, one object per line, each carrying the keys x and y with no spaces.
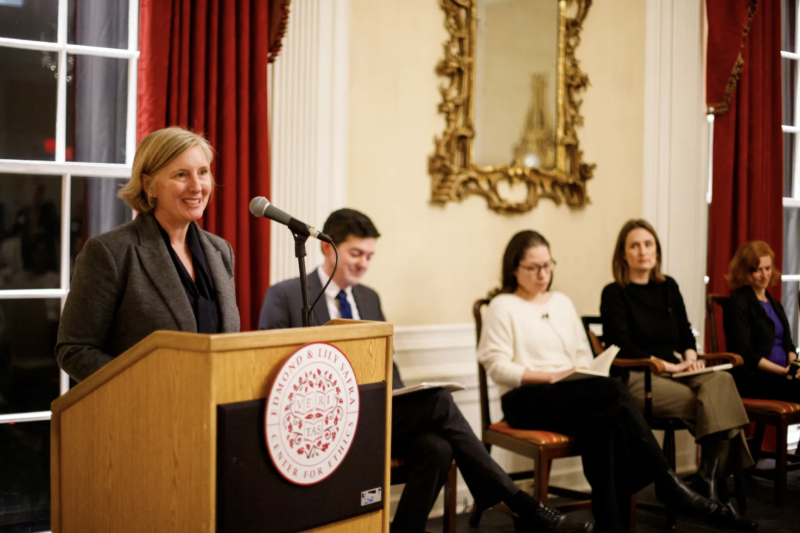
{"x":707,"y":404}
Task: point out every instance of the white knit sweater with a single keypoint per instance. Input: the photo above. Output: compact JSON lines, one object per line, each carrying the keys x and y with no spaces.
{"x":518,"y":334}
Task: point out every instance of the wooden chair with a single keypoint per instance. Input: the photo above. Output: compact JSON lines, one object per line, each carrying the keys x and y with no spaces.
{"x":763,"y":412}
{"x":399,"y":475}
{"x":541,"y":446}
{"x":668,"y":425}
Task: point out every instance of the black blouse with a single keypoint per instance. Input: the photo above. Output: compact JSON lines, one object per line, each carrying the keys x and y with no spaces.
{"x":645,"y":320}
{"x":200,"y":291}
{"x":749,"y":332}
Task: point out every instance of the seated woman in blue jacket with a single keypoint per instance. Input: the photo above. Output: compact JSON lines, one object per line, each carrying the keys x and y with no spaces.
{"x":756,"y":327}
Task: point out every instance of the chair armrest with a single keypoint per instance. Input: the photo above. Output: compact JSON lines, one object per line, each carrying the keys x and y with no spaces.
{"x":655,"y":365}
{"x":727,"y":357}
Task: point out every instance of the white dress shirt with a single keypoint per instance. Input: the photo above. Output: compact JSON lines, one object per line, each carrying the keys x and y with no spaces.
{"x":331,"y":299}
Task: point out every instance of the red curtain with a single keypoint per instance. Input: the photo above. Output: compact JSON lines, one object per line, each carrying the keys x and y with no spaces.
{"x":744,"y":87}
{"x":203,"y":65}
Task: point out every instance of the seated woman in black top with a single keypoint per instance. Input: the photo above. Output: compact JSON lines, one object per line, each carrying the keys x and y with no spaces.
{"x":644,"y":314}
{"x":756,"y":327}
{"x":531,"y":339}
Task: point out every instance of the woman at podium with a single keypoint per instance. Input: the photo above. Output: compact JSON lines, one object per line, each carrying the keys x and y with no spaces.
{"x":158,"y":272}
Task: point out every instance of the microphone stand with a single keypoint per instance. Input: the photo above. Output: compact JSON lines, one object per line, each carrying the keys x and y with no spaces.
{"x":300,"y":254}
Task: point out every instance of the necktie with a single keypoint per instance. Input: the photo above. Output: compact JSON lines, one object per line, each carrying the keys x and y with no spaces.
{"x":345,"y":311}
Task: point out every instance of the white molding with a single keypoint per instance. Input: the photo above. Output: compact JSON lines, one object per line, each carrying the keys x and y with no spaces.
{"x":445,"y":336}
{"x":309,"y":98}
{"x":675,"y":145}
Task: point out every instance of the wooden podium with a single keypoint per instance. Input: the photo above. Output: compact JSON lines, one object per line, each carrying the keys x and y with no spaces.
{"x":134,"y":446}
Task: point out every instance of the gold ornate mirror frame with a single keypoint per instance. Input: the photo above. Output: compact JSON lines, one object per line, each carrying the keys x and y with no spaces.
{"x":454,"y":175}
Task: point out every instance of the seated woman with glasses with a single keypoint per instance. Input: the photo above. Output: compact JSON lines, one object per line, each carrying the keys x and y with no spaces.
{"x":757,"y":329}
{"x":532,"y":339}
{"x":644,"y":314}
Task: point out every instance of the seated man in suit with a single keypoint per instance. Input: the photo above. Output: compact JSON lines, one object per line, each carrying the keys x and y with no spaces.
{"x":428,"y":429}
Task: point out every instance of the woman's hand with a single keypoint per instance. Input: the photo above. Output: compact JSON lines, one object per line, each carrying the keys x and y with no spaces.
{"x":792,"y":369}
{"x":697,"y":365}
{"x":674,"y":368}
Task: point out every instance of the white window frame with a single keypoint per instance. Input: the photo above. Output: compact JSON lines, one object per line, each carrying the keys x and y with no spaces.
{"x":793,"y":202}
{"x":67,"y":169}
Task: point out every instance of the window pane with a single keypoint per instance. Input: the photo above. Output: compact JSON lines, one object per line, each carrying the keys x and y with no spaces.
{"x":791,"y":264}
{"x":30,"y":226}
{"x":25,"y":477}
{"x":27,"y":104}
{"x":97,"y":105}
{"x":98,"y":23}
{"x":789,"y":140}
{"x":95,"y":209}
{"x":788,"y":29}
{"x":33,"y":20}
{"x":29,"y":375}
{"x":788,"y":77}
{"x":790,"y":289}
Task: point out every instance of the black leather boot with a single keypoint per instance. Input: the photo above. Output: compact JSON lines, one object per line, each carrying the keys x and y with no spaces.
{"x":673,"y":492}
{"x":712,"y":482}
{"x":705,"y":482}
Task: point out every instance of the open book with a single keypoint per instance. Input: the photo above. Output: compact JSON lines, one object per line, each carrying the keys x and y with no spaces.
{"x":601,"y":366}
{"x":705,"y":370}
{"x":449,"y":385}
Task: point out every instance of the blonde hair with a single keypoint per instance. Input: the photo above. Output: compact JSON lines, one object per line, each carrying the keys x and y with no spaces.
{"x":156,"y":151}
{"x":619,"y":265}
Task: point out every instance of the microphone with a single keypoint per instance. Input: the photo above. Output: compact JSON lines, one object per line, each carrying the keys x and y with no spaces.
{"x":545,"y":316}
{"x":260,"y":207}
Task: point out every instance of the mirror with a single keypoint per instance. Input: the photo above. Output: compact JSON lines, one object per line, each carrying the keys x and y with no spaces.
{"x":516,"y":72}
{"x":511,"y":104}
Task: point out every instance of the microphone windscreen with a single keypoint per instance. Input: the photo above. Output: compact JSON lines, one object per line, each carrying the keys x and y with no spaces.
{"x":258,"y":205}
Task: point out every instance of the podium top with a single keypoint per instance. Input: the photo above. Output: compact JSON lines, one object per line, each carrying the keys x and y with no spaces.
{"x":333,"y":331}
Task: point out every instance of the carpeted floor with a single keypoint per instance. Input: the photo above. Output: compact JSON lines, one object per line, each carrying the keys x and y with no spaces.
{"x":761,"y":507}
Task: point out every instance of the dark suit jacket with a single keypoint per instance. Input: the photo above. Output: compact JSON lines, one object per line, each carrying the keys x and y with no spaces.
{"x":283,"y":304}
{"x":749,"y":331}
{"x":125,"y":287}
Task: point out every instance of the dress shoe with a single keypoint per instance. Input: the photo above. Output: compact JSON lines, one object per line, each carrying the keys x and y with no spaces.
{"x":548,"y":520}
{"x":674,"y":493}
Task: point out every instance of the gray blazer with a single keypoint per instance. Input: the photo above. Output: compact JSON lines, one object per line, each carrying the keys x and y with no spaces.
{"x":283,"y":306}
{"x":125,"y":287}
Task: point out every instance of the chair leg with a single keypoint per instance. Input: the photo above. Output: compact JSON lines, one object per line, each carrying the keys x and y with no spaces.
{"x":781,"y":458}
{"x":541,"y":478}
{"x":758,"y":440}
{"x":450,"y":500}
{"x":669,"y":451}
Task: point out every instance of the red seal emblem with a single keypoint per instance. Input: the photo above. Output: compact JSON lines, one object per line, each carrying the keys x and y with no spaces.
{"x":312,"y":413}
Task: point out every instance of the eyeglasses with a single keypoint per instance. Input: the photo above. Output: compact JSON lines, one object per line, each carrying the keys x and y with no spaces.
{"x":535,"y":269}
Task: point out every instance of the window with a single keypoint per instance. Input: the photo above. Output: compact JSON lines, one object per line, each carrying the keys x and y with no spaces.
{"x":67,"y":137}
{"x":790,"y":56}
